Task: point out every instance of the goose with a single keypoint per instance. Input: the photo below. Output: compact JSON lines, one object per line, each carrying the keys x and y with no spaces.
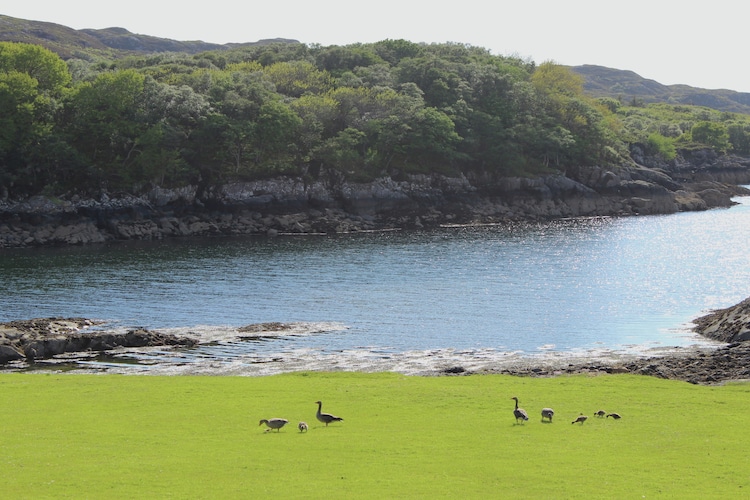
{"x":302,"y":426}
{"x":600,"y":413}
{"x":326,"y":418}
{"x":547,"y":413}
{"x":274,"y":423}
{"x":519,"y":413}
{"x":581,"y":418}
{"x":616,"y":416}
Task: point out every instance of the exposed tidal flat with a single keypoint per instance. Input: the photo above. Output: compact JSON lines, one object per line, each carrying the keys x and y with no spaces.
{"x":500,"y":298}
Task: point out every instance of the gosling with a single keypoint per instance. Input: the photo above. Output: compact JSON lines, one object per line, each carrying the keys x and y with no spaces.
{"x":547,"y":413}
{"x":581,"y":419}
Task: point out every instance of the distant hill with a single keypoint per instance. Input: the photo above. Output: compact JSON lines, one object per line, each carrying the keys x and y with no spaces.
{"x":627,"y":86}
{"x":117,"y":42}
{"x":110,"y":42}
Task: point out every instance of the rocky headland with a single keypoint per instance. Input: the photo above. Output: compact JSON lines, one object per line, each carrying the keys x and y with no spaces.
{"x":696,"y":180}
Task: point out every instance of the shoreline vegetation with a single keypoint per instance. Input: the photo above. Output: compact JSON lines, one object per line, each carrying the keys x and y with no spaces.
{"x":24,"y":342}
{"x":284,"y":138}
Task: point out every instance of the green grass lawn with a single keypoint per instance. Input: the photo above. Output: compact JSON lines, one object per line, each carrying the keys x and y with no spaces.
{"x":109,"y":436}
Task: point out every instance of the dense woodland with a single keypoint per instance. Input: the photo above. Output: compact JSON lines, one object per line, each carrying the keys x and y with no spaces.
{"x":355,"y":112}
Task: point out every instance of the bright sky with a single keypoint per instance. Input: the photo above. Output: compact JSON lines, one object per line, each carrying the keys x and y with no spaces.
{"x":701,"y":45}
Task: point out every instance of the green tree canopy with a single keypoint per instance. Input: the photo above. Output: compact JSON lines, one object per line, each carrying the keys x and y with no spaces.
{"x":46,"y":67}
{"x":713,"y":134}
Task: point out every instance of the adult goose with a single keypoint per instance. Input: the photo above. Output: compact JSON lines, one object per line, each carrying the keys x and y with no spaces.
{"x":274,"y":423}
{"x":519,"y":413}
{"x":326,"y":418}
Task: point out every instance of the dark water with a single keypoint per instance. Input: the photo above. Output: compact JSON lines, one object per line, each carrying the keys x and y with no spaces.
{"x":388,"y":300}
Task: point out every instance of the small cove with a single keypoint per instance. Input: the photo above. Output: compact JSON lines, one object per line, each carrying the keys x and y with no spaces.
{"x":402,"y":301}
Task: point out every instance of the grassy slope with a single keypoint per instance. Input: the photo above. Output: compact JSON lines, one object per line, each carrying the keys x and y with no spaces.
{"x":66,"y":436}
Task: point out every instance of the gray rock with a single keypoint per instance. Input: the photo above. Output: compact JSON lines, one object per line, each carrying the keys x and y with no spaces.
{"x":46,"y":337}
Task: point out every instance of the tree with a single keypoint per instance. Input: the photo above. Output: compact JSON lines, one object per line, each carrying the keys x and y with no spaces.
{"x":394,"y":51}
{"x":337,"y":60}
{"x":345,"y":153}
{"x":739,"y":137}
{"x":105,"y":118}
{"x":317,"y":122}
{"x":431,"y":140}
{"x":44,"y":66}
{"x":297,"y":78}
{"x":19,"y":103}
{"x":275,"y":133}
{"x":31,"y":78}
{"x":435,"y":76}
{"x":713,"y":134}
{"x":172,"y":114}
{"x":554,"y":79}
{"x":662,"y":146}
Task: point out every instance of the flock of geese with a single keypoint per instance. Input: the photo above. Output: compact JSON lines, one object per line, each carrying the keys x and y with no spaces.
{"x":278,"y":423}
{"x":519,"y":413}
{"x":547,"y":413}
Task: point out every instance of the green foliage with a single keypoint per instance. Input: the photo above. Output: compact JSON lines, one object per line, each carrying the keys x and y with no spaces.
{"x":611,"y":104}
{"x":337,"y":60}
{"x":401,"y":437}
{"x":106,"y":118}
{"x":661,"y":146}
{"x":297,"y":78}
{"x":31,"y":80}
{"x":739,"y":137}
{"x":393,"y":51}
{"x":721,"y":131}
{"x":352,"y":112}
{"x":712,"y":134}
{"x":50,"y":72}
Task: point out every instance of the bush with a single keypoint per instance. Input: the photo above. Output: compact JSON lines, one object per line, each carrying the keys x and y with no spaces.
{"x":662,"y":146}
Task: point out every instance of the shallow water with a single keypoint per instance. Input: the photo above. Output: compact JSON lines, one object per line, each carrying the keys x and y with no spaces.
{"x":403,"y":301}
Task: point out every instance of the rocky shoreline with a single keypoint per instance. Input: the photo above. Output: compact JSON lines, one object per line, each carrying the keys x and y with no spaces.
{"x":27,"y":341}
{"x":696,"y":180}
{"x":47,"y":337}
{"x":731,"y":361}
{"x":706,"y":367}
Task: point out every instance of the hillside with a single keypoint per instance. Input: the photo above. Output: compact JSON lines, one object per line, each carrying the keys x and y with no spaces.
{"x":117,"y":42}
{"x":628,"y":86}
{"x":110,"y":42}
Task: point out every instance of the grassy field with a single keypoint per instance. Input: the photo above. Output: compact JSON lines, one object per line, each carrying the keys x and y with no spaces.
{"x":107,"y":436}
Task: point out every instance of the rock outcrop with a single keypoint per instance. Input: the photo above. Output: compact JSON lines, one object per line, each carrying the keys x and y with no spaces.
{"x":694,"y":181}
{"x":46,"y":337}
{"x":726,"y":325}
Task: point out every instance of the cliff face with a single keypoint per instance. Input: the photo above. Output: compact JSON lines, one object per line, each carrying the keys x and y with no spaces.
{"x":697,"y":181}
